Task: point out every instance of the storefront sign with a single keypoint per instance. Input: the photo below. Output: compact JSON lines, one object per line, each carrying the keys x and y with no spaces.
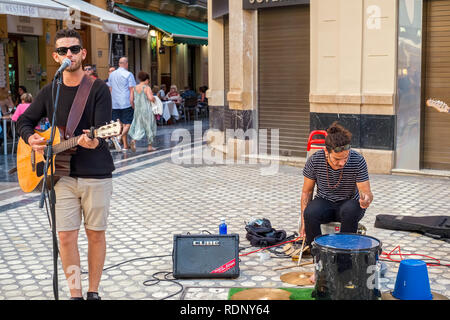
{"x":25,"y":25}
{"x":18,"y":9}
{"x":258,"y":4}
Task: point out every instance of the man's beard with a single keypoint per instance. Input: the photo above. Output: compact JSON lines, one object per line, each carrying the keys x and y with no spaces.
{"x":74,"y":66}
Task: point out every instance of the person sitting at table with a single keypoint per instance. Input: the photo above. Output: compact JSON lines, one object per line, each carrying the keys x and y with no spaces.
{"x":26,"y":100}
{"x":173,"y":94}
{"x":188,"y":93}
{"x":162,"y":93}
{"x":202,"y":100}
{"x":6,"y":102}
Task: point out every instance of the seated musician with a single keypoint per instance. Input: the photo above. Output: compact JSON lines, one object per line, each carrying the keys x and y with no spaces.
{"x":343,"y":187}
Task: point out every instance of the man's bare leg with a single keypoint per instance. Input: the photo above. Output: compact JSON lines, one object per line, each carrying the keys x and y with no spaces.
{"x":70,"y":258}
{"x":96,"y":257}
{"x":313,"y":278}
{"x":125,"y":129}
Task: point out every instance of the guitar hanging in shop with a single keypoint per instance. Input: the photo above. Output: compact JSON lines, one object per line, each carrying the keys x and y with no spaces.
{"x":439,"y":105}
{"x":30,"y":164}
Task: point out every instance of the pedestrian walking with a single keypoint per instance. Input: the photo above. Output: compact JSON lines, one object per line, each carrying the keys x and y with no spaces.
{"x":121,"y":83}
{"x":144,"y":122}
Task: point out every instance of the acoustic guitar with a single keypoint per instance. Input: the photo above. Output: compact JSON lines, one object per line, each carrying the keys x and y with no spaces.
{"x":439,"y":105}
{"x":30,"y":164}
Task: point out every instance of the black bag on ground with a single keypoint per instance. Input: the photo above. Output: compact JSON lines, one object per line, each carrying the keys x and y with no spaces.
{"x":261,"y":234}
{"x":434,"y":226}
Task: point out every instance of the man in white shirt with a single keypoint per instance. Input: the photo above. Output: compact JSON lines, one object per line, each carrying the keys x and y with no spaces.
{"x":121,"y":83}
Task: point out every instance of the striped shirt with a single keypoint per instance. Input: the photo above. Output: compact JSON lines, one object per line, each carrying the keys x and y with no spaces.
{"x":355,"y":170}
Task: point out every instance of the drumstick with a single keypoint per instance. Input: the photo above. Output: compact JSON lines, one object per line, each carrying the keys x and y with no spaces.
{"x":301,"y":265}
{"x":301,"y":252}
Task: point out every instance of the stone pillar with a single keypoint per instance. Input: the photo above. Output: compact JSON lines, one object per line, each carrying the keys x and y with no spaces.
{"x":242,"y":96}
{"x":216,"y":77}
{"x":353,"y":72}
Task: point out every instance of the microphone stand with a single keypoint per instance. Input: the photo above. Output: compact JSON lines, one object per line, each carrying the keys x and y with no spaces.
{"x":50,"y":192}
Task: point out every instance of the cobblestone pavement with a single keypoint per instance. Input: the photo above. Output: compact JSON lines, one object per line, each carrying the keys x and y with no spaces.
{"x":155,"y":198}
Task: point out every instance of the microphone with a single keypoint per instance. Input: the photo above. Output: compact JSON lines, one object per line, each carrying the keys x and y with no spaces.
{"x":65,"y":64}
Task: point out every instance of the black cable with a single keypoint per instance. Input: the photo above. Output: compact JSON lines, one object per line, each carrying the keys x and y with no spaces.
{"x":131,"y":260}
{"x":157,"y":280}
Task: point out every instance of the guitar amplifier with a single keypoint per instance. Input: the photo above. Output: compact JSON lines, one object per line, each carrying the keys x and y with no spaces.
{"x":206,"y":256}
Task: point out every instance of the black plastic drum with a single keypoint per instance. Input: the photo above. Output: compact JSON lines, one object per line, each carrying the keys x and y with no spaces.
{"x":346,"y":264}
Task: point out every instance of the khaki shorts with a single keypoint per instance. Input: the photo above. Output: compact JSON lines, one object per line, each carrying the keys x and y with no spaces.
{"x":79,"y":196}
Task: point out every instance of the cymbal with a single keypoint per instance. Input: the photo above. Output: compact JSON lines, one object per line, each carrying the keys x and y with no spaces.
{"x":297,"y":278}
{"x":261,"y":294}
{"x":388,"y":296}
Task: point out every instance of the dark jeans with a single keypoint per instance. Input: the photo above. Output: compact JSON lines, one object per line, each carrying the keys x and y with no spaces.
{"x":320,"y":211}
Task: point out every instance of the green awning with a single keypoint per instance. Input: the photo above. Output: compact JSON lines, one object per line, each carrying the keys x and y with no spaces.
{"x":181,"y":29}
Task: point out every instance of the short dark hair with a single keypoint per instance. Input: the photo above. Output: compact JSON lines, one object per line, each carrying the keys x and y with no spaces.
{"x":337,"y":136}
{"x":68,"y":33}
{"x":142,"y":76}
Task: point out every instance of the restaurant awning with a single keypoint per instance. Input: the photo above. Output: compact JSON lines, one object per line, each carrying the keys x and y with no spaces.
{"x":182,"y":30}
{"x":46,"y":9}
{"x":107,"y":21}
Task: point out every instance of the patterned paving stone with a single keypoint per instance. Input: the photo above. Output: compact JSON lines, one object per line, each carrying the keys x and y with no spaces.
{"x":153,"y":202}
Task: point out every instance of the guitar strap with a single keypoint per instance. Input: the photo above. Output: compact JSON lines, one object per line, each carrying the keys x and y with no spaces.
{"x":78,"y":105}
{"x":62,"y":161}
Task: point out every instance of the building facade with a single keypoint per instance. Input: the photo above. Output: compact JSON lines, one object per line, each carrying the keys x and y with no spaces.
{"x":27,"y":33}
{"x":299,"y":65}
{"x":28,"y":28}
{"x":169,"y":57}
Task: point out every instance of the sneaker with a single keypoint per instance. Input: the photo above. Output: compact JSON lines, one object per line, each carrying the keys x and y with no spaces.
{"x":76,"y":298}
{"x":93,"y":296}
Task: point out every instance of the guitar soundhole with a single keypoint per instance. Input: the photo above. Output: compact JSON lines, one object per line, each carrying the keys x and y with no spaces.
{"x":40,"y":169}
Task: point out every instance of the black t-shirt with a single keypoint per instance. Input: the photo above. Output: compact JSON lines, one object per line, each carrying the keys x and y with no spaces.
{"x":85,"y":163}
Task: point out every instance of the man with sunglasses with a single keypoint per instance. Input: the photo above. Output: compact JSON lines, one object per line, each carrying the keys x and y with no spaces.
{"x":89,"y":70}
{"x":343,"y":187}
{"x":86,"y":193}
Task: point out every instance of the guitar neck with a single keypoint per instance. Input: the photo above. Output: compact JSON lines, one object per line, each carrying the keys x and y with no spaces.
{"x":66,"y":144}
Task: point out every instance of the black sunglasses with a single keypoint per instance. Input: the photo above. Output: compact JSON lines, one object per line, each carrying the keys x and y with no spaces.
{"x":342,"y":148}
{"x":62,"y":51}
